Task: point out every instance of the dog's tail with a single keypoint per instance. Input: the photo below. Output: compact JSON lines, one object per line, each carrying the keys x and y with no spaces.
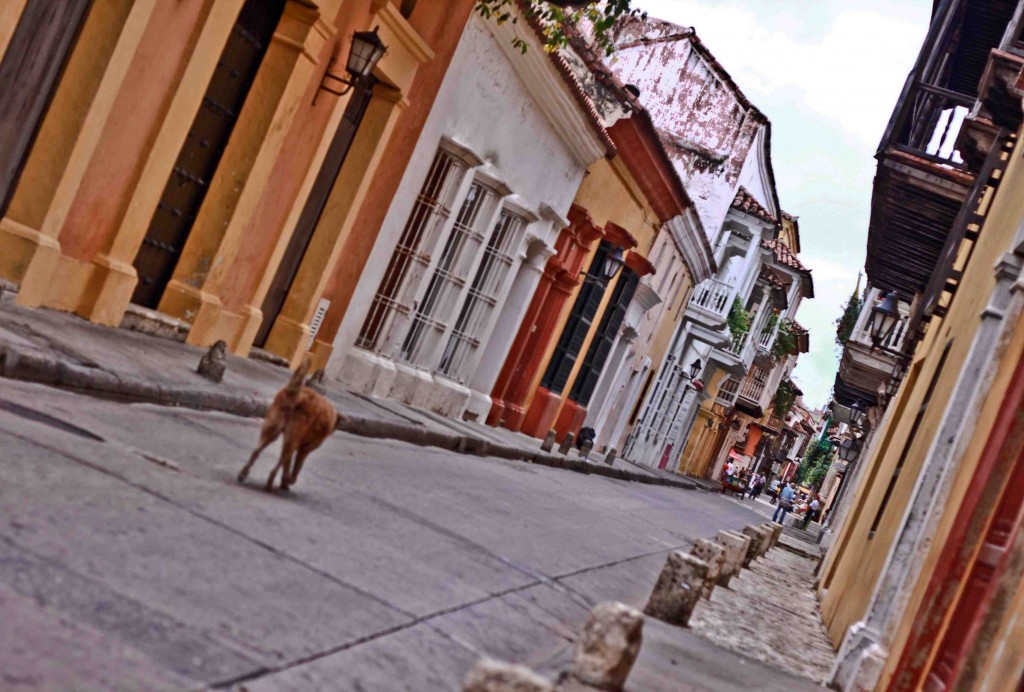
{"x":294,"y":385}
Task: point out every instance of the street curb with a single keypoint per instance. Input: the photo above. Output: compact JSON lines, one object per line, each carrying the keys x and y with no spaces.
{"x":57,"y":372}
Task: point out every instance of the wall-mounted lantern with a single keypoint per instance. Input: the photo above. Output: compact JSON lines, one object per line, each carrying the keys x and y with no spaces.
{"x":367,"y":50}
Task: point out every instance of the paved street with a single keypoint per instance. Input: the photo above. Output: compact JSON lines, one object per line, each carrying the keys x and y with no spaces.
{"x":129,"y":553}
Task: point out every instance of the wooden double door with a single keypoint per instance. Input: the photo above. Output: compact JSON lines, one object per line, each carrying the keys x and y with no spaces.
{"x":207,"y":139}
{"x":29,"y":73}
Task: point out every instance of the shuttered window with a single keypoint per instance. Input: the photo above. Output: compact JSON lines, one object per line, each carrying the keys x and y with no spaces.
{"x":578,"y":325}
{"x":601,"y":346}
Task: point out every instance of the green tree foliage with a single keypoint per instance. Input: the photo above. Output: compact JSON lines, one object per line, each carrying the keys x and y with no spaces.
{"x":846,"y":322}
{"x":785,"y":342}
{"x":785,"y":397}
{"x":815,"y":464}
{"x":738,"y":321}
{"x":553,"y":17}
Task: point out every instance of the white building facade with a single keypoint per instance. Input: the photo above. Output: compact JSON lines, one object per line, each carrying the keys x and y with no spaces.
{"x":470,"y":228}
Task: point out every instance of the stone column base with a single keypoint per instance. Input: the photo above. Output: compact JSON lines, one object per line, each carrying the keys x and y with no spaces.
{"x":364,"y":372}
{"x":860,"y":660}
{"x":28,"y":258}
{"x":110,"y":291}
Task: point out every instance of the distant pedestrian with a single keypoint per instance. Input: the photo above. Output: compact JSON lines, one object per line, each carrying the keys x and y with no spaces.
{"x":759,"y":482}
{"x":729,"y":470}
{"x":785,"y":504}
{"x":813,"y":511}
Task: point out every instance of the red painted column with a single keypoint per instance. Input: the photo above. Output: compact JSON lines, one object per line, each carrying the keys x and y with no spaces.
{"x":973,"y":557}
{"x":539,"y":327}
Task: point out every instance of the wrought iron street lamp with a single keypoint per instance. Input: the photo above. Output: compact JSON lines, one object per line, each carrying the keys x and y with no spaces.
{"x":884,"y":318}
{"x":849,"y":450}
{"x":367,"y":50}
{"x":858,"y":414}
{"x":611,"y":265}
{"x":695,"y":368}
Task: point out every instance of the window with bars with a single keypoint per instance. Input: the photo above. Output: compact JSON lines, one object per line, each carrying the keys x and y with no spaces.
{"x":577,"y":326}
{"x":483,"y":296}
{"x":601,"y":346}
{"x":393,"y":302}
{"x":450,"y":276}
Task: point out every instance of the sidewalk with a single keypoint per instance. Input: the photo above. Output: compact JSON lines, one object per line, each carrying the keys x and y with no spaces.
{"x":60,"y":349}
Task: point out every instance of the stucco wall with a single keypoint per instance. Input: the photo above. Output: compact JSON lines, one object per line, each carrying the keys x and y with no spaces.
{"x":858,"y":559}
{"x":485,"y":106}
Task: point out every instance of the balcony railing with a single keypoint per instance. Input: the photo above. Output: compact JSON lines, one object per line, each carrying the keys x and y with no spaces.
{"x":728,"y":391}
{"x":929,"y":122}
{"x":713,"y":296}
{"x":754,"y":384}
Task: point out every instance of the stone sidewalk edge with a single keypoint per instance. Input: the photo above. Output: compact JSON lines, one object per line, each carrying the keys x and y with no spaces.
{"x":33,"y":367}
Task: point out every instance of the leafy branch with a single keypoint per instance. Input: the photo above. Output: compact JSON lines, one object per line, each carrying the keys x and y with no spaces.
{"x":785,"y":397}
{"x":848,"y":320}
{"x":553,"y":16}
{"x":739,"y":321}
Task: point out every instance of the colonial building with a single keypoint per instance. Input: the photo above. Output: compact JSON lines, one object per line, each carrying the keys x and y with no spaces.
{"x":466,"y":237}
{"x":723,"y":158}
{"x":589,"y":347}
{"x":923,"y":587}
{"x":199,"y":165}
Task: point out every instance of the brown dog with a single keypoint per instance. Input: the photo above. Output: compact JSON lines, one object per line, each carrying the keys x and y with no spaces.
{"x":304,"y":417}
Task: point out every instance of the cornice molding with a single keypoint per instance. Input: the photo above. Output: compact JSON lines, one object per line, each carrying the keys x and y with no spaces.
{"x":548,"y":88}
{"x":695,"y":250}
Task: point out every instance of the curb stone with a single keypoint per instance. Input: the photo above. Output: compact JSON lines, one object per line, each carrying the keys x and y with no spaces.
{"x":28,"y":366}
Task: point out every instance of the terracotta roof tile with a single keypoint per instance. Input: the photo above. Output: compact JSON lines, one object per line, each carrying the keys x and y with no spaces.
{"x":784,"y":256}
{"x":578,"y":92}
{"x":745,"y":202}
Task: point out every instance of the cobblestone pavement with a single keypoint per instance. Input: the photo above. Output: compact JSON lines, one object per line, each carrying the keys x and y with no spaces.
{"x":770,"y":613}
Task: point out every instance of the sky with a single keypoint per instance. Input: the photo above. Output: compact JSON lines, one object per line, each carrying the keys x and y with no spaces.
{"x":827,"y":73}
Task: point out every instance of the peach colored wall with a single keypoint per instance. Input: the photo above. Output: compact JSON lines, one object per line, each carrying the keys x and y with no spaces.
{"x":291,"y":166}
{"x":136,"y":116}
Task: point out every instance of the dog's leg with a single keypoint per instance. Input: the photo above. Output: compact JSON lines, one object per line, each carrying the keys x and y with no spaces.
{"x":244,"y":473}
{"x":300,"y":457}
{"x":268,"y":434}
{"x":282,"y":463}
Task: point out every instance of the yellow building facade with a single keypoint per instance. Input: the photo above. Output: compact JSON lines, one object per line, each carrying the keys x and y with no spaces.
{"x":923,"y":585}
{"x":188,"y":144}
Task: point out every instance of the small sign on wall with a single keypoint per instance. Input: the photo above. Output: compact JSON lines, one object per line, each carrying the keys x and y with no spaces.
{"x":318,"y":319}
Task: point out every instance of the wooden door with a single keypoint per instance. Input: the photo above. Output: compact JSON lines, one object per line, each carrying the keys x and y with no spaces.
{"x":314,"y":207}
{"x":207,"y":138}
{"x":31,"y":67}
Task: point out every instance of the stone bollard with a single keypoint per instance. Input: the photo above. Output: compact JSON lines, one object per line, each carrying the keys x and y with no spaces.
{"x":608,"y":647}
{"x":610,"y":456}
{"x":566,"y":444}
{"x":497,"y":676}
{"x":585,"y":449}
{"x":776,"y":530}
{"x":736,"y":546}
{"x":756,"y":539}
{"x":549,"y":442}
{"x":214,"y":362}
{"x":679,"y":586}
{"x":766,"y":543}
{"x":713,"y":554}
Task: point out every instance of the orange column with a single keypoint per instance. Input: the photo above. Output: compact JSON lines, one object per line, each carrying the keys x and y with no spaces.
{"x":561,"y":277}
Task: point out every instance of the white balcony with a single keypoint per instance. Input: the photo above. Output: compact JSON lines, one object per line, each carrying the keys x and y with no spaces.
{"x":714,"y":297}
{"x":754,"y":385}
{"x":728,"y":390}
